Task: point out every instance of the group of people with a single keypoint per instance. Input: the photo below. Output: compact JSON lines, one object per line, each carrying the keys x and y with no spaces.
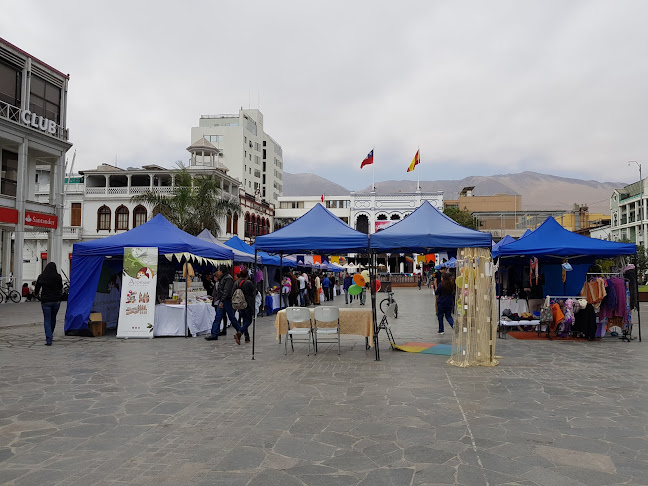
{"x":223,"y":287}
{"x":306,"y":289}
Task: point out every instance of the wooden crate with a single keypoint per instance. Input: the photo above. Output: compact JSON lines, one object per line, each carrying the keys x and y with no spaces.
{"x":97,"y":328}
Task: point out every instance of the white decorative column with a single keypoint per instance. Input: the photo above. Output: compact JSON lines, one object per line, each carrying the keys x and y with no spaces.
{"x":19,"y":241}
{"x":55,"y":236}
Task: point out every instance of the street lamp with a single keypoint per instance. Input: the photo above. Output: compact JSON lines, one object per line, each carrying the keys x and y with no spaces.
{"x":641,"y":202}
{"x":638,"y":165}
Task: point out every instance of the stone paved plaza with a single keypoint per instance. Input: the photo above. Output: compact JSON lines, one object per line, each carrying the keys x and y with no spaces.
{"x":176,"y":411}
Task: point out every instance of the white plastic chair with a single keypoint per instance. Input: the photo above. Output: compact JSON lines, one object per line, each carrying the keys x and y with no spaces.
{"x":327,"y":314}
{"x":299,"y":315}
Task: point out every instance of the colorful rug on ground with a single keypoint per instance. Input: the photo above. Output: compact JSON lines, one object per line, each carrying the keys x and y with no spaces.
{"x":425,"y":348}
{"x":533,"y":336}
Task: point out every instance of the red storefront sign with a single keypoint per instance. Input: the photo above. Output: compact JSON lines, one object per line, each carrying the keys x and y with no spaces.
{"x":8,"y":215}
{"x":44,"y":255}
{"x":40,"y":219}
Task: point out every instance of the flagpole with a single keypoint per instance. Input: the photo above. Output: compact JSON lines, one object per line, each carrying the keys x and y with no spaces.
{"x":418,"y":174}
{"x":373,"y":176}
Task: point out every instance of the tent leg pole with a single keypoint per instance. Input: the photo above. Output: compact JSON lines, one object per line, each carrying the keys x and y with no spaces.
{"x":638,"y":303}
{"x":372,"y":288}
{"x":186,"y":301}
{"x":255,"y":290}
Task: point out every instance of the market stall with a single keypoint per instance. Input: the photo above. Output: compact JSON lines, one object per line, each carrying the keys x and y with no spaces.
{"x":427,"y":230}
{"x":558,"y":261}
{"x":173,"y":247}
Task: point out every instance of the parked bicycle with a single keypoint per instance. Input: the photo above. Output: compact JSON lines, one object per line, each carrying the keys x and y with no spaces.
{"x":387,"y":302}
{"x":9,"y":294}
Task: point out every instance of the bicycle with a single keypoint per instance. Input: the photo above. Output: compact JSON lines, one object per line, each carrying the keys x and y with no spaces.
{"x":385,"y":303}
{"x":9,"y":294}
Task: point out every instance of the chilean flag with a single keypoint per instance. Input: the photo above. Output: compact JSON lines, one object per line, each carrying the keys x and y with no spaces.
{"x":368,"y":159}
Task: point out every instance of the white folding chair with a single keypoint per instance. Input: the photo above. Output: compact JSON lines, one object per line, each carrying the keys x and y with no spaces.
{"x":327,"y":314}
{"x":390,"y":313}
{"x":299,"y":315}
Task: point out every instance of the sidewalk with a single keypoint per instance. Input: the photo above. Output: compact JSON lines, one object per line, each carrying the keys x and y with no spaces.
{"x":25,"y":314}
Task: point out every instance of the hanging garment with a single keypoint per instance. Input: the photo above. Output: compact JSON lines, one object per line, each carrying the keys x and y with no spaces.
{"x":585,"y":322}
{"x":569,"y":316}
{"x":558,"y":316}
{"x":594,"y":291}
{"x":631,"y":276}
{"x":609,"y":302}
{"x":534,"y":270}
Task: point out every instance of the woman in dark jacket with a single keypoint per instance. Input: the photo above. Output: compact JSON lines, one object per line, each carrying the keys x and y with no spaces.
{"x":246,"y":315}
{"x":445,"y":300}
{"x":49,"y":286}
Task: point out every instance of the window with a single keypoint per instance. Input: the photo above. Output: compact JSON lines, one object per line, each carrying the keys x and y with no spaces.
{"x":75,"y":215}
{"x":139,"y":216}
{"x":10,"y":81}
{"x":103,"y":218}
{"x":45,"y":99}
{"x":229,"y":222}
{"x":9,"y":174}
{"x":235,"y":224}
{"x":121,"y":218}
{"x":248,"y":226}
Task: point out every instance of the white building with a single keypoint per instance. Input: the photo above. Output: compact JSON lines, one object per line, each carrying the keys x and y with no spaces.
{"x":251,"y":155}
{"x":33,"y":133}
{"x":629,"y":214}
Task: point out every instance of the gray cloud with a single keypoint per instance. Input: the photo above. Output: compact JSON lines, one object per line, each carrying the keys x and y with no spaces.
{"x":480,"y":87}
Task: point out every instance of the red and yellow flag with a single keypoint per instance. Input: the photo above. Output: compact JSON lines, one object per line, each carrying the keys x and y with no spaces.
{"x":415,"y":162}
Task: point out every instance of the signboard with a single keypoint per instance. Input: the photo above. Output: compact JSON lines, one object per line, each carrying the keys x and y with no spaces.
{"x":37,"y":121}
{"x":40,"y":219}
{"x":8,"y":215}
{"x":43,"y":255}
{"x":382,"y":224}
{"x":137,"y":303}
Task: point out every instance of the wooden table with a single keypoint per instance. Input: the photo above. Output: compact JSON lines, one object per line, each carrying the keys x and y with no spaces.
{"x":352,"y":321}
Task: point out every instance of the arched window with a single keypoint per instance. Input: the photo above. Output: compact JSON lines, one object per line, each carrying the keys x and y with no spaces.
{"x":229,"y":222}
{"x":362,"y":224}
{"x":139,"y":216}
{"x":395,"y":217}
{"x":121,"y":218}
{"x":103,"y":218}
{"x":247,"y":225}
{"x":235,"y":226}
{"x":255,"y":225}
{"x":382,"y":217}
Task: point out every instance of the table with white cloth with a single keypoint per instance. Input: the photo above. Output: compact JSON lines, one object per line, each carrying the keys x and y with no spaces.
{"x":517,"y":306}
{"x":352,"y":321}
{"x":170,"y":319}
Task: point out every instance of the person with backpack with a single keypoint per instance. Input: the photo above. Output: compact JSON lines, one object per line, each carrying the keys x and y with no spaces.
{"x":223,"y":296}
{"x":243,"y":301}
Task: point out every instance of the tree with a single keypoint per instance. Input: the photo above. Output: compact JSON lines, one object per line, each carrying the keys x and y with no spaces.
{"x":196,"y":202}
{"x":462,"y":217}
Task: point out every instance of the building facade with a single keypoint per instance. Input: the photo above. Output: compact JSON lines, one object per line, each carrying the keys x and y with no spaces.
{"x":629,"y":218}
{"x":33,"y":134}
{"x":251,"y":155}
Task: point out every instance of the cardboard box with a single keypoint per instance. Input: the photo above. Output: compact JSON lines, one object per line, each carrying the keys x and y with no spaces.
{"x":95,"y":317}
{"x":97,"y":328}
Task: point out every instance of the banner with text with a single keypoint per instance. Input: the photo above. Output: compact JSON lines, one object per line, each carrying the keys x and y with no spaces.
{"x":137,"y":304}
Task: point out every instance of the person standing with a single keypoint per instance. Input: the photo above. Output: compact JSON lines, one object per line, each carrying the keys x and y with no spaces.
{"x":224,"y":292}
{"x":420,"y":280}
{"x":318,"y":287}
{"x":49,"y":286}
{"x":285,"y":290}
{"x":348,"y":282}
{"x":302,"y":289}
{"x":247,"y":314}
{"x":445,"y":301}
{"x":294,"y":290}
{"x":325,"y":285}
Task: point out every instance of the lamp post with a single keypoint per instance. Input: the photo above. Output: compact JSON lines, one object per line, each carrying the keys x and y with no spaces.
{"x":641,"y":204}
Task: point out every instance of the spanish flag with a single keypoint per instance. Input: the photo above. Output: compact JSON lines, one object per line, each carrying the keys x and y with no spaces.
{"x":415,"y":162}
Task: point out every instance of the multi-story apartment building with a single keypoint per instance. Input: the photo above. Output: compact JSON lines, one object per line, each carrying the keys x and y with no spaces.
{"x":33,"y":133}
{"x":628,"y":213}
{"x":251,"y":155}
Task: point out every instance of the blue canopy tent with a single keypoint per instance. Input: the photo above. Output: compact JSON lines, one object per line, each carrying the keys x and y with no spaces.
{"x":237,"y":243}
{"x":504,"y":241}
{"x":427,"y":230}
{"x":552,"y":243}
{"x":317,"y":231}
{"x":88,"y":257}
{"x":239,"y":256}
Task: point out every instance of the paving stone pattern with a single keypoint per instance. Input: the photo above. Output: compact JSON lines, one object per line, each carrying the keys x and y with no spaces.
{"x":176,"y":411}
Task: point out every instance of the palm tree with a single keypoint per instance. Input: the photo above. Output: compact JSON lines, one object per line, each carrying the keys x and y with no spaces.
{"x":196,"y":202}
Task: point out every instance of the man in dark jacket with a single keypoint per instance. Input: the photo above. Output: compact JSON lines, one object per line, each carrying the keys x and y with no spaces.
{"x":348,"y":282}
{"x":249,"y":291}
{"x":49,"y":287}
{"x":224,"y":293}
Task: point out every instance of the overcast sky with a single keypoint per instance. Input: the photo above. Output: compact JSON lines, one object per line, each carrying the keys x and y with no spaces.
{"x":482,"y":87}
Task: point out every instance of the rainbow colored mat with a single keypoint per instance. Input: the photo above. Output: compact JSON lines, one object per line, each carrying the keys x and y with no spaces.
{"x":425,"y":348}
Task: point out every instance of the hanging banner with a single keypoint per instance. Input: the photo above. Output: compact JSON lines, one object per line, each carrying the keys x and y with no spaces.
{"x":383,"y":224}
{"x":137,"y":303}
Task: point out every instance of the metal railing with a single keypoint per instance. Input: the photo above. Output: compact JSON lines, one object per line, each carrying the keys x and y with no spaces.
{"x":132,"y":190}
{"x":12,"y":113}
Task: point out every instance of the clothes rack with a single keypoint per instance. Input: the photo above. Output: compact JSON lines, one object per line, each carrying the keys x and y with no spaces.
{"x":560,"y":297}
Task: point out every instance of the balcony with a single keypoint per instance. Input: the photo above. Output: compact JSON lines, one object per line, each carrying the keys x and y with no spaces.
{"x":12,"y":113}
{"x":126,"y":191}
{"x":69,"y":233}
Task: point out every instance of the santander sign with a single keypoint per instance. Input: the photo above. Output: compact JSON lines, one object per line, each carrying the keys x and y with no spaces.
{"x":40,"y":219}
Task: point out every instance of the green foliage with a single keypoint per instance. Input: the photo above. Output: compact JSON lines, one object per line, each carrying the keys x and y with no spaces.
{"x":195,"y":204}
{"x":462,"y":216}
